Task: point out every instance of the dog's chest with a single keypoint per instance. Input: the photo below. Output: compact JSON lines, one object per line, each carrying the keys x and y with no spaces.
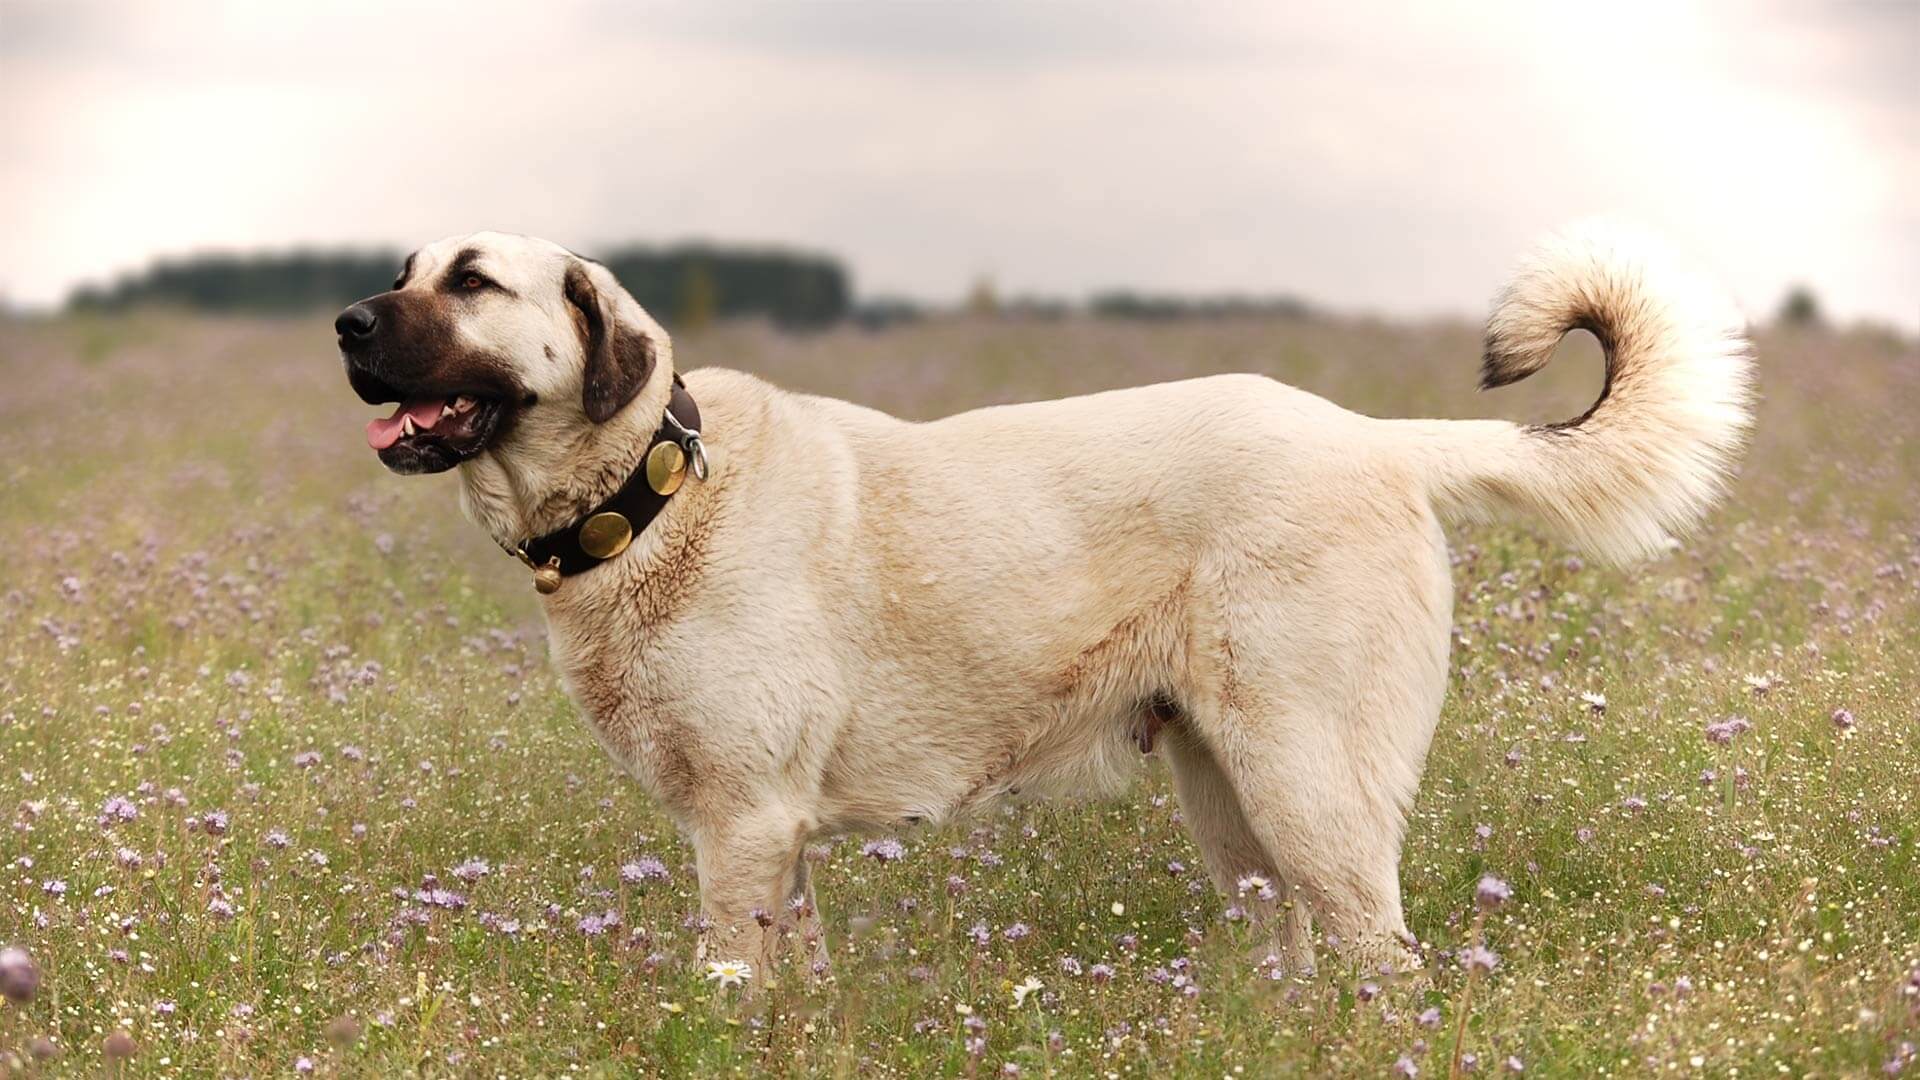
{"x":624,"y":681}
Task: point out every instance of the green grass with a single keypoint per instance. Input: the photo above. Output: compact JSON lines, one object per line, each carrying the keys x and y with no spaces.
{"x":206,"y":576}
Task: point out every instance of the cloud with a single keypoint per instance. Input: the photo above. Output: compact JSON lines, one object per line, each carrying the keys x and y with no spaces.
{"x":1391,"y":157}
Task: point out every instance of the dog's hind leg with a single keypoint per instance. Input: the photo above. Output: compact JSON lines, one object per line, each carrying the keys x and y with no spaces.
{"x":1232,"y":851}
{"x":1329,"y":822}
{"x":1339,"y":850}
{"x":1318,"y":698}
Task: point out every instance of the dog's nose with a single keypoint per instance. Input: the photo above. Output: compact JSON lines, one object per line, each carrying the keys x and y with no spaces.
{"x":356,"y":322}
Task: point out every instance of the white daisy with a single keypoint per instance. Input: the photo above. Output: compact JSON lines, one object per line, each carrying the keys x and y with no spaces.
{"x":1021,"y":991}
{"x":730,"y":972}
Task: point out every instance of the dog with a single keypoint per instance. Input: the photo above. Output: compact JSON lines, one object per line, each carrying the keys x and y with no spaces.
{"x":835,"y":620}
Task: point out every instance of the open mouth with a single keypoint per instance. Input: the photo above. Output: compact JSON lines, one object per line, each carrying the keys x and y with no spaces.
{"x":429,"y":434}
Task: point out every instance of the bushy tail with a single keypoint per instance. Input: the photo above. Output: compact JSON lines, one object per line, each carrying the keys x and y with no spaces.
{"x":1654,"y":453}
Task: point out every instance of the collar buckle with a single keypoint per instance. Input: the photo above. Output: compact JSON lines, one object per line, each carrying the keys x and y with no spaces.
{"x":689,"y":440}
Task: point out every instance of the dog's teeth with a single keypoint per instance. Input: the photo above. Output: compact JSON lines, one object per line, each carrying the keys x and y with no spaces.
{"x":463,"y":403}
{"x":446,"y":411}
{"x":406,"y":425}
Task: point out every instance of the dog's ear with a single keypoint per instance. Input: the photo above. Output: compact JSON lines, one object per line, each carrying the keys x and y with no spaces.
{"x":619,"y":355}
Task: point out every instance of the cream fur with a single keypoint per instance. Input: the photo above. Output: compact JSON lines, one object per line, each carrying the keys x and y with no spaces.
{"x":857,"y":622}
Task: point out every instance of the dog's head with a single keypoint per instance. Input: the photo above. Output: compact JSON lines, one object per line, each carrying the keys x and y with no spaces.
{"x":485,"y":331}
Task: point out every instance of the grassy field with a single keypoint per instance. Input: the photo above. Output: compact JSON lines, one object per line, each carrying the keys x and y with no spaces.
{"x":291,"y":786}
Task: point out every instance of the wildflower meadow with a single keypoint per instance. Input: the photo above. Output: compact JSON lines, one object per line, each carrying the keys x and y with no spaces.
{"x":290,"y":787}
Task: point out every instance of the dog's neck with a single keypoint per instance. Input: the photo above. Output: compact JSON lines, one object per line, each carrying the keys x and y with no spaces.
{"x":551,"y":470}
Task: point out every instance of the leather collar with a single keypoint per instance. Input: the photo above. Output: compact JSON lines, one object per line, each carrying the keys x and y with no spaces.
{"x":607,"y":529}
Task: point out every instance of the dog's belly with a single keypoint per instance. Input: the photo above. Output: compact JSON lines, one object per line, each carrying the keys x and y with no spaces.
{"x":972,"y":703}
{"x":889,"y":777}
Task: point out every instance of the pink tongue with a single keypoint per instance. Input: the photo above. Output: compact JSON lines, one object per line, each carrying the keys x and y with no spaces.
{"x":384,"y":433}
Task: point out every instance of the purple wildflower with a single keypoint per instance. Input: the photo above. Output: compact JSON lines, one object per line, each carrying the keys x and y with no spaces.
{"x":116,"y":810}
{"x":645,"y":868}
{"x":473,"y":870}
{"x":1257,"y":885}
{"x":19,"y":975}
{"x":595,"y":925}
{"x":498,"y":924}
{"x":1724,"y":731}
{"x":440,"y":898}
{"x":119,"y":1046}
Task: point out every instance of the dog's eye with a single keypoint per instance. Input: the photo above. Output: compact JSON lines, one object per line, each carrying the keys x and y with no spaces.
{"x":473,"y":281}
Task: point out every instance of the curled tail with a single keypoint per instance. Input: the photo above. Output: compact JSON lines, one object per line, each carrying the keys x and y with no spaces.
{"x":1653,"y":454}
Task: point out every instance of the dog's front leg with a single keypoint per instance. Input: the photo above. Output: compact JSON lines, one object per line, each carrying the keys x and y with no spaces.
{"x":809,"y":928}
{"x":746,"y":866}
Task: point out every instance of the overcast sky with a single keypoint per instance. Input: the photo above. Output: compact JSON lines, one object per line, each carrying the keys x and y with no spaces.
{"x":1388,"y":157}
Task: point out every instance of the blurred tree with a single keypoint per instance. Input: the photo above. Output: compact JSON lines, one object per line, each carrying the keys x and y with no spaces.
{"x":1800,"y":308}
{"x":981,"y":300}
{"x":699,"y":297}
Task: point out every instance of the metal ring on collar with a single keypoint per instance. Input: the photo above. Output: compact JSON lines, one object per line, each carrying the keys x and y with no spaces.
{"x":697,"y":454}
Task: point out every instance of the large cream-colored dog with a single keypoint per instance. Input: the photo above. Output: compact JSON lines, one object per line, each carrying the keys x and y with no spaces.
{"x":855,"y":622}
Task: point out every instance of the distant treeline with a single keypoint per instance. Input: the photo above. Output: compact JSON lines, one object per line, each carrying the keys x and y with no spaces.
{"x":1129,"y":305}
{"x":692,"y":286}
{"x":685,"y":286}
{"x":263,"y":282}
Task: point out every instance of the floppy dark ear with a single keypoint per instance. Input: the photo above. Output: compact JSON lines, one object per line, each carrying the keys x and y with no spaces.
{"x":619,"y":357}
